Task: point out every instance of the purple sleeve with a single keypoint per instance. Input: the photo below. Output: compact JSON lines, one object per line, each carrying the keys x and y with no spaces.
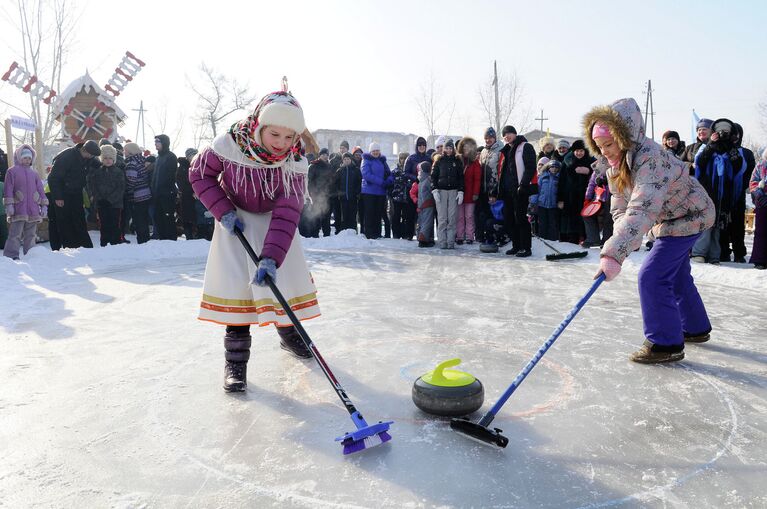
{"x":203,"y":175}
{"x":285,"y":217}
{"x":592,"y":184}
{"x":8,"y":191}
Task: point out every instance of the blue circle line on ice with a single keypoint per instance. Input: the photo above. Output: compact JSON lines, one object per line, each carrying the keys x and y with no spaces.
{"x":658,"y":491}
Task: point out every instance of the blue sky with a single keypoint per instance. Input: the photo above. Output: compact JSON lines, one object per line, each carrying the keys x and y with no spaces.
{"x":359,"y":64}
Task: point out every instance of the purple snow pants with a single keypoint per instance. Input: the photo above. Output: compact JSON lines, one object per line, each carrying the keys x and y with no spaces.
{"x":671,"y":305}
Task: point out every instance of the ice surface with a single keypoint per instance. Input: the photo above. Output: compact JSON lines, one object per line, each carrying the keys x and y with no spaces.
{"x":110,"y":389}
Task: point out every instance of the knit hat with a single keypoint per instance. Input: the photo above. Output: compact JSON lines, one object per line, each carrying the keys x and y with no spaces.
{"x":490,"y":133}
{"x":600,"y":130}
{"x":281,"y":109}
{"x":554,"y":165}
{"x":104,"y":141}
{"x":25,"y":152}
{"x":324,"y":151}
{"x":508,"y":129}
{"x":132,"y":149}
{"x":92,"y":148}
{"x":704,"y":123}
{"x":346,"y":155}
{"x":440,"y":142}
{"x":449,"y":143}
{"x":345,"y":144}
{"x":108,"y":152}
{"x":357,"y":149}
{"x":374,"y":146}
{"x":117,"y":145}
{"x":424,"y":166}
{"x":563,"y":143}
{"x":150,"y":159}
{"x":190,"y":153}
{"x":543,"y":161}
{"x":578,"y":145}
{"x":670,"y":134}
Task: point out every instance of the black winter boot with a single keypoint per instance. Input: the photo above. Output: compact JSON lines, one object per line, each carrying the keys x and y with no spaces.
{"x":697,"y":338}
{"x":237,"y":343}
{"x":291,"y":342}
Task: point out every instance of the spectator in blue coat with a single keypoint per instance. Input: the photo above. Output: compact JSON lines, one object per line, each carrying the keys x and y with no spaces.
{"x":548,"y":211}
{"x":376,"y":178}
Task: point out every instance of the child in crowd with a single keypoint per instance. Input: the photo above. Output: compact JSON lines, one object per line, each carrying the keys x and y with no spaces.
{"x":652,"y":190}
{"x":447,"y":189}
{"x":106,"y":185}
{"x":425,"y":204}
{"x":548,"y":210}
{"x":602,"y":220}
{"x":254,"y":178}
{"x":137,"y":189}
{"x":25,"y":202}
{"x":472,"y":178}
{"x":495,"y":231}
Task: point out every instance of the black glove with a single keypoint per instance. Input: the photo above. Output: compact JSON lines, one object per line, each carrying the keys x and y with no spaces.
{"x":600,"y":181}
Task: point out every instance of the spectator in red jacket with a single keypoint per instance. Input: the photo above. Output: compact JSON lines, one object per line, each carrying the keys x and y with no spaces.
{"x":472,"y":177}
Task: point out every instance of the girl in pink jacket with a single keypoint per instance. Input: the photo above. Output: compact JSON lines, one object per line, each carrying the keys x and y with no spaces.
{"x":25,"y":202}
{"x":652,"y":192}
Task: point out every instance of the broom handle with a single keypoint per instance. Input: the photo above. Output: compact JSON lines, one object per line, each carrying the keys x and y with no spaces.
{"x":297,"y":324}
{"x":490,"y":415}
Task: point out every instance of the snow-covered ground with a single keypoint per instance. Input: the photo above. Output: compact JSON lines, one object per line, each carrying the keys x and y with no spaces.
{"x":110,"y":389}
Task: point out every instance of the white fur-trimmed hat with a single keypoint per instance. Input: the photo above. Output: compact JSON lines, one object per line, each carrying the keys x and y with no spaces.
{"x":374,"y":146}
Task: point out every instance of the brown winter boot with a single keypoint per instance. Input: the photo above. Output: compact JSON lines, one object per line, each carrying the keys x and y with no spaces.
{"x":697,"y":338}
{"x":237,"y":343}
{"x":650,"y":353}
{"x":291,"y":342}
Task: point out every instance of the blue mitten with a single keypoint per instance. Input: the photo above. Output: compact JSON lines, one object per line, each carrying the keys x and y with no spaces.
{"x":266,"y":267}
{"x":230,"y":220}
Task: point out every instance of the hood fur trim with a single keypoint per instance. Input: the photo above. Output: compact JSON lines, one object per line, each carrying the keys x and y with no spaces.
{"x":624,"y":120}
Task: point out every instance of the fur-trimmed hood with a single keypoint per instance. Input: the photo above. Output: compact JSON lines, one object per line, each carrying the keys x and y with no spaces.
{"x":471,"y":144}
{"x":623,"y":118}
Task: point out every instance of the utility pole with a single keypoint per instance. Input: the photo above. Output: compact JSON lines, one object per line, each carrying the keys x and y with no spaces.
{"x":140,"y":124}
{"x":497,"y":105}
{"x":541,"y":118}
{"x":649,"y":110}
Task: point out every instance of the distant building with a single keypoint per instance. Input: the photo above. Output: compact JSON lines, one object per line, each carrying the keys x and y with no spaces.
{"x":536,"y":134}
{"x":391,"y":143}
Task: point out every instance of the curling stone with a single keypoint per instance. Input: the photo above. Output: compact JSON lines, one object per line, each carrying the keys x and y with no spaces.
{"x":448,"y":392}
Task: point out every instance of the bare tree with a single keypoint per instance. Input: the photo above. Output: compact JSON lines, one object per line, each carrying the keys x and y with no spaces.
{"x":47,"y":29}
{"x":431,"y":105}
{"x":762,"y":107}
{"x":219,"y":97}
{"x":510,"y":102}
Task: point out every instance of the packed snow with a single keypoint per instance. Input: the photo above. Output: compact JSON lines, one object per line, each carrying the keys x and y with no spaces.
{"x":110,"y":389}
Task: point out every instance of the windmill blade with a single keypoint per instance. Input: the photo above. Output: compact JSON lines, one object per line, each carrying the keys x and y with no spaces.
{"x":124,"y":73}
{"x":28,"y":83}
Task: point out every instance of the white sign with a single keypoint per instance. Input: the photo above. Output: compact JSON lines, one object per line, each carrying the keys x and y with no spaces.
{"x":23,"y":123}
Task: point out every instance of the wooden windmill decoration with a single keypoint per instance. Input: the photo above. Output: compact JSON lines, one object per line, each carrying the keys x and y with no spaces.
{"x":85,"y":110}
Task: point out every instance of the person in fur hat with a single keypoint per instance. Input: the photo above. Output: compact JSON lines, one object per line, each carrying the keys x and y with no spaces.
{"x":652,"y":191}
{"x":472,"y":180}
{"x":673,"y":144}
{"x":547,"y":147}
{"x":106,"y":187}
{"x":253,"y":177}
{"x":25,"y":202}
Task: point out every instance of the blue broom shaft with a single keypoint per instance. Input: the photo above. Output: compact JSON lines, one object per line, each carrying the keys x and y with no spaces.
{"x":490,"y":415}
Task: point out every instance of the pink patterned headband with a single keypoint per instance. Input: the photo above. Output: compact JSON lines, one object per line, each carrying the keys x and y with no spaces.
{"x":600,"y":130}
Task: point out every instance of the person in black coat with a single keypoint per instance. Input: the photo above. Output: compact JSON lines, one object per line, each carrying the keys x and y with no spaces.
{"x":703,"y":132}
{"x":163,"y":186}
{"x":188,"y":212}
{"x":322,"y":188}
{"x":573,"y":182}
{"x":3,"y":165}
{"x":735,"y":232}
{"x":515,"y":186}
{"x":66,"y":182}
{"x":349,"y":183}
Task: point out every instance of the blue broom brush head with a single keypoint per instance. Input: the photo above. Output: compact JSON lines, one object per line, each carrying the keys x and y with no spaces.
{"x":365,"y":436}
{"x":352,"y":446}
